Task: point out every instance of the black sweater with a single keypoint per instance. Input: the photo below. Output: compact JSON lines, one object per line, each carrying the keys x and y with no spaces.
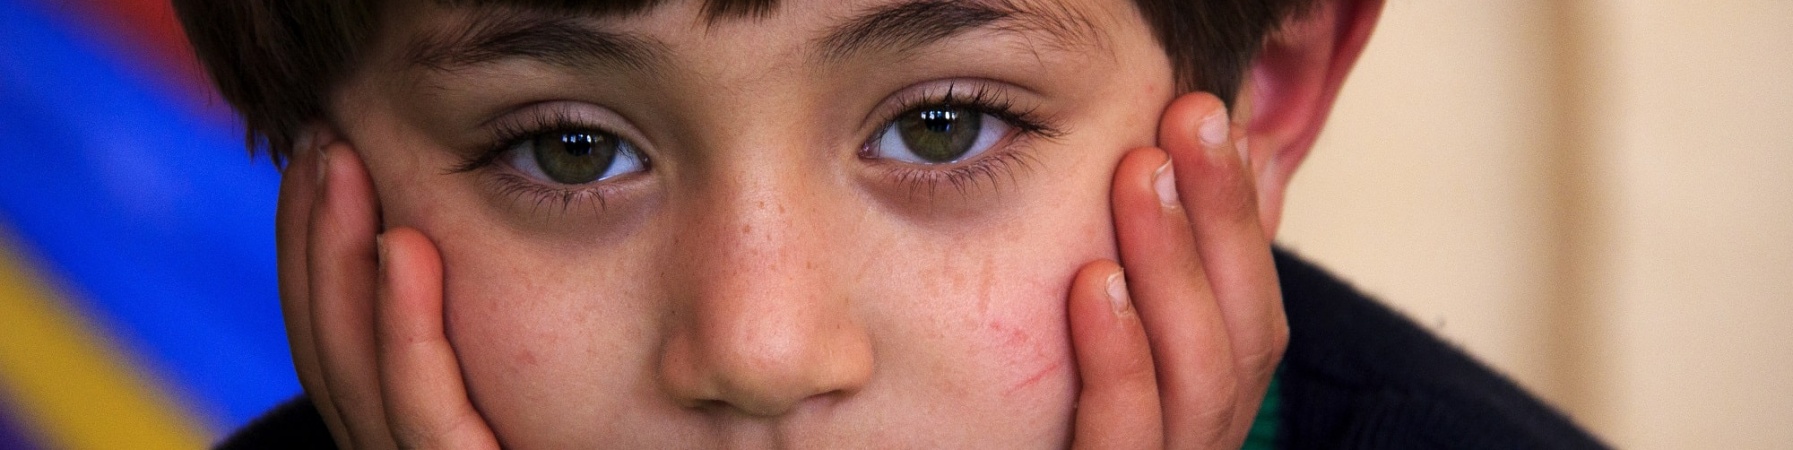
{"x":1356,"y":375}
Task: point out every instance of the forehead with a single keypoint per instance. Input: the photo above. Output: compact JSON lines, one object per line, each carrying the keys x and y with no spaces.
{"x":634,"y":33}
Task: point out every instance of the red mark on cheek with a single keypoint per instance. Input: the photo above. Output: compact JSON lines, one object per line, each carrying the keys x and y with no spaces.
{"x":1035,"y":378}
{"x":1027,"y":360}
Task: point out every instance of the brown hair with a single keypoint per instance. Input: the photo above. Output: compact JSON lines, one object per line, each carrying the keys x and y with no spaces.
{"x":277,"y":61}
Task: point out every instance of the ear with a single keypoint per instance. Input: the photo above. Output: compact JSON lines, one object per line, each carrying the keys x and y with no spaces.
{"x":1290,"y":90}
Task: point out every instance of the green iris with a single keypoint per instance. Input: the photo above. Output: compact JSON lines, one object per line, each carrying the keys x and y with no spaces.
{"x":940,"y":134}
{"x":575,"y":157}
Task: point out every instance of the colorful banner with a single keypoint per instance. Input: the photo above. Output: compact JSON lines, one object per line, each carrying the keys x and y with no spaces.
{"x":138,"y":304}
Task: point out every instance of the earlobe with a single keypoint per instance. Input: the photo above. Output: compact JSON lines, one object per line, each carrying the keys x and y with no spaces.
{"x":1291,"y":88}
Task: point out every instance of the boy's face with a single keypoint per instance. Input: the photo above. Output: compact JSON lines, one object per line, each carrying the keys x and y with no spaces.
{"x":844,"y":223}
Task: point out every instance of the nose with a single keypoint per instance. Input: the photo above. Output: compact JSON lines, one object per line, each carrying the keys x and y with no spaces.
{"x":760,"y":322}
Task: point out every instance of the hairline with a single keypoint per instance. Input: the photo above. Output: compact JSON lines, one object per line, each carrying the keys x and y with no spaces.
{"x":278,"y":62}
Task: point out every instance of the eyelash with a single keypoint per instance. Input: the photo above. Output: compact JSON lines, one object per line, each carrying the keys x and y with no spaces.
{"x":991,"y":168}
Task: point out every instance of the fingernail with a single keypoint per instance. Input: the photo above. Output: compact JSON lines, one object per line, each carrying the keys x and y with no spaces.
{"x":1214,"y":129}
{"x":1117,"y":293}
{"x":323,"y":163}
{"x":380,"y":250}
{"x":1165,"y":182}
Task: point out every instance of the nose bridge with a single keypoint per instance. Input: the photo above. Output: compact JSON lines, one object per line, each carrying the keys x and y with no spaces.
{"x":760,"y":323}
{"x":759,"y":232}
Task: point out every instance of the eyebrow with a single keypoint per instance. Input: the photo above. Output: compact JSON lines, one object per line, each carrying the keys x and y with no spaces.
{"x":907,"y":25}
{"x":566,"y":40}
{"x":559,"y":40}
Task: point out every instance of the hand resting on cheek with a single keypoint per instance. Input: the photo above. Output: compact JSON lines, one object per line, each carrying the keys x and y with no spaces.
{"x":364,"y":314}
{"x":1178,"y":351}
{"x":1175,"y":353}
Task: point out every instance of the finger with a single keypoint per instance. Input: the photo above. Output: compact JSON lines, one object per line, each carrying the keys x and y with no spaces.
{"x":292,"y":220}
{"x":342,"y":269}
{"x":1190,"y":346}
{"x":1222,"y":203}
{"x":426,"y":400}
{"x":1117,"y":405}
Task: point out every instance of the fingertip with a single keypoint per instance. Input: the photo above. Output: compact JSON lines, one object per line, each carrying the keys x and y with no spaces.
{"x":323,"y":166}
{"x":1182,"y":130}
{"x":340,"y":167}
{"x":407,"y":235}
{"x":1102,"y":268}
{"x":303,"y":161}
{"x":1135,"y":190}
{"x":407,"y":246}
{"x":1118,"y":298}
{"x":1104,"y":323}
{"x":1141,"y":163}
{"x":1096,"y":279}
{"x":410,"y":265}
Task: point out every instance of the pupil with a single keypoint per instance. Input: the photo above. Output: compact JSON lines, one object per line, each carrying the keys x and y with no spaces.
{"x":939,"y":121}
{"x":576,"y":144}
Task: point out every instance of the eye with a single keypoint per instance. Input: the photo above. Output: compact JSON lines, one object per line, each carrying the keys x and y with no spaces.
{"x":574,"y":156}
{"x":938,"y":134}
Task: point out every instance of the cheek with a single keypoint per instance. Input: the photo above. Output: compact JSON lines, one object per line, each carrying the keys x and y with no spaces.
{"x":995,"y":297}
{"x":1024,"y":330}
{"x":551,"y":343}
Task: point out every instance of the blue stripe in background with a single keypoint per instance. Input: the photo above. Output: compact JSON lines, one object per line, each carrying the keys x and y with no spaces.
{"x":12,"y":431}
{"x":148,"y":211}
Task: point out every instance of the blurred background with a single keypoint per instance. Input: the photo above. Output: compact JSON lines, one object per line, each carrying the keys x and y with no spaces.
{"x":1595,"y":197}
{"x":137,"y":285}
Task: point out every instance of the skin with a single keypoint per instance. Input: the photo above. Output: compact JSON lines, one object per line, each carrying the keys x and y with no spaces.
{"x":764,"y":285}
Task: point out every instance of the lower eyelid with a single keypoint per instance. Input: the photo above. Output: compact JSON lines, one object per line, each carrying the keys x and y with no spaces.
{"x":1009,"y":158}
{"x":541,"y":200}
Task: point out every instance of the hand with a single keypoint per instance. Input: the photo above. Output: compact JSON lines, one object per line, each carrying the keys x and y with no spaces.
{"x":364,"y":313}
{"x":1178,"y":351}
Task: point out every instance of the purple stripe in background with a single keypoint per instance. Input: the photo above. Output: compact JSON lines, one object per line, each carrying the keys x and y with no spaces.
{"x":12,"y":432}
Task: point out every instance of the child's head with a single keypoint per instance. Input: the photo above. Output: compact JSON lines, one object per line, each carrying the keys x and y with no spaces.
{"x":731,"y":221}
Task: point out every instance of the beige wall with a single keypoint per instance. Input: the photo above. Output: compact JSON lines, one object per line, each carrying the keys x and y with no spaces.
{"x":1596,"y":197}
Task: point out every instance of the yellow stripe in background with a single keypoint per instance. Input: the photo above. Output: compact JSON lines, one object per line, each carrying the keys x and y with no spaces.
{"x":68,"y":384}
